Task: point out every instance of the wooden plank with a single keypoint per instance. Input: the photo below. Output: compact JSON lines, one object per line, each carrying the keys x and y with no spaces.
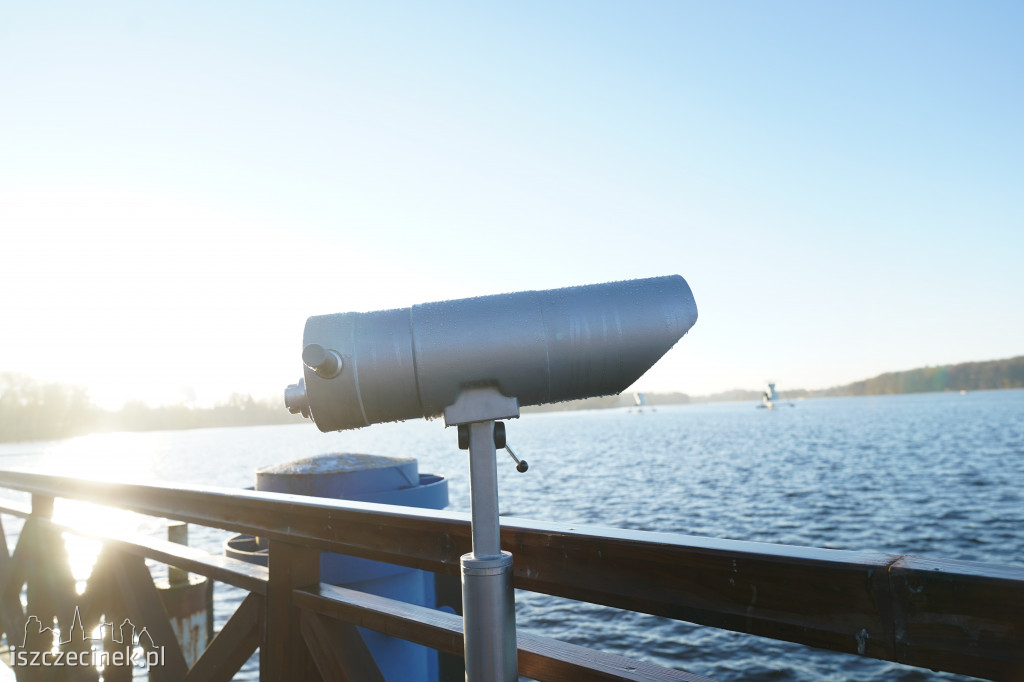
{"x":143,"y":606}
{"x":12,"y":572}
{"x":960,"y":616}
{"x":97,"y":594}
{"x":540,"y":658}
{"x":36,"y":631}
{"x":307,"y":521}
{"x":249,"y":577}
{"x":823,"y":598}
{"x":543,"y":658}
{"x":76,"y":630}
{"x":432,"y":628}
{"x":233,"y":645}
{"x":40,"y":608}
{"x":56,"y":573}
{"x":42,"y":504}
{"x":15,"y":509}
{"x":17,"y":572}
{"x":283,"y":651}
{"x":60,"y":583}
{"x":338,"y":650}
{"x":47,"y":599}
{"x":40,"y":599}
{"x":448,"y":592}
{"x":5,"y":554}
{"x":103,"y":584}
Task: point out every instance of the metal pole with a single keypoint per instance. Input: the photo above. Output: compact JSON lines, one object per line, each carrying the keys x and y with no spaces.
{"x":488,"y":601}
{"x":483,"y":490}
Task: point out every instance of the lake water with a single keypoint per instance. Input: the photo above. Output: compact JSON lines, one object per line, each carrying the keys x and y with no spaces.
{"x":934,"y":474}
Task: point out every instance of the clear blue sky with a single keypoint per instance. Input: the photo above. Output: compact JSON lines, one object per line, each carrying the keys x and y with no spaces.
{"x":181,"y":184}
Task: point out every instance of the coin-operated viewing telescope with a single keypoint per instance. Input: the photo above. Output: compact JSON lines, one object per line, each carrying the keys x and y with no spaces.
{"x":477,"y":360}
{"x":535,"y":346}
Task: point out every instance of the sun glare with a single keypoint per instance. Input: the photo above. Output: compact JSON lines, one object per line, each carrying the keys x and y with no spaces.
{"x":125,"y":291}
{"x":136,"y":295}
{"x":114,"y":456}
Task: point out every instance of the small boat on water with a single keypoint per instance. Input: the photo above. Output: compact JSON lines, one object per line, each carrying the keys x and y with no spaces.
{"x":639,"y":402}
{"x":769,"y":398}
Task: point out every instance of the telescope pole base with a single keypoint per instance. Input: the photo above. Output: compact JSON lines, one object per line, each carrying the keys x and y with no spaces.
{"x":489,"y":618}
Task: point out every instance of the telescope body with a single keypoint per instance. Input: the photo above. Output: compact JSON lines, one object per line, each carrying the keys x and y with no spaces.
{"x":535,"y":346}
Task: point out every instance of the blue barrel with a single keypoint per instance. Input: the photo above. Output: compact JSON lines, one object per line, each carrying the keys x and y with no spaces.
{"x":364,"y":478}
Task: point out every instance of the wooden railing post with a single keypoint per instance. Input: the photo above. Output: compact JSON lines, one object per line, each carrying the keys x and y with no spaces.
{"x":283,"y":652}
{"x":188,"y":601}
{"x":41,"y":608}
{"x":42,"y":506}
{"x":41,"y":603}
{"x":12,"y":617}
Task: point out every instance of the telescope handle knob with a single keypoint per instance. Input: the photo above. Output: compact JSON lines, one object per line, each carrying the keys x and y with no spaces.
{"x":326,"y":363}
{"x":521,"y":465}
{"x":499,"y":443}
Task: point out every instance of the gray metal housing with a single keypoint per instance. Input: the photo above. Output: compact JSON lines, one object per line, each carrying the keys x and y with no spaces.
{"x":536,"y":346}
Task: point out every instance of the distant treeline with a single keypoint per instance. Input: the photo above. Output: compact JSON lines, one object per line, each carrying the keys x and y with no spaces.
{"x":35,"y":410}
{"x":967,"y":376}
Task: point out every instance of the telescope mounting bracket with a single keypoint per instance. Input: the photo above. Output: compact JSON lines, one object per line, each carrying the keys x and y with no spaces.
{"x":480,"y":404}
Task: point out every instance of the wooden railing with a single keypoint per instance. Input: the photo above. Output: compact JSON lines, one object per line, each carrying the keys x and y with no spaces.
{"x":956,"y":616}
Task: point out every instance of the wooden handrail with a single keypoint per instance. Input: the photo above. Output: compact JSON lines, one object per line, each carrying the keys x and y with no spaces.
{"x":539,"y":657}
{"x":949,"y":615}
{"x":242,"y":574}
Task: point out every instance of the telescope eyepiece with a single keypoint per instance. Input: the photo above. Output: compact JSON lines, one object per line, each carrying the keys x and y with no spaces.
{"x":296,"y":400}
